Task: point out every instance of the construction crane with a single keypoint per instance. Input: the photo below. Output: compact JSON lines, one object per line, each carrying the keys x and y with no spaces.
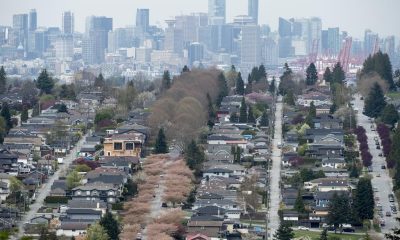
{"x":344,"y":55}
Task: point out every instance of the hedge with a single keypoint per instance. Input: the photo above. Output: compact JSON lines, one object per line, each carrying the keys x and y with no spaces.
{"x":56,"y":199}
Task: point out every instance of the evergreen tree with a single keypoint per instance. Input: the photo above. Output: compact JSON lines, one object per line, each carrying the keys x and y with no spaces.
{"x":243,"y":112}
{"x":262,"y":73}
{"x":67,"y":92}
{"x":222,"y":88}
{"x":5,"y":113}
{"x":324,"y":235}
{"x":312,"y":113}
{"x":111,"y":225}
{"x":239,"y":85}
{"x":36,"y":110}
{"x":211,"y":112}
{"x":44,"y":82}
{"x":289,"y":98}
{"x":161,"y":143}
{"x":250,"y":115}
{"x":264,"y":119}
{"x":379,"y":63}
{"x":328,"y":75}
{"x":254,"y":74}
{"x":311,"y":74}
{"x":166,"y":81}
{"x":299,"y":204}
{"x":339,"y":210}
{"x":249,"y":86}
{"x":284,"y":232}
{"x":395,"y":154}
{"x":99,"y":82}
{"x":364,"y":199}
{"x":194,"y":156}
{"x":390,"y":115}
{"x":62,"y":108}
{"x":233,"y":118}
{"x":185,"y":69}
{"x":3,"y":129}
{"x":272,"y":87}
{"x":338,"y":75}
{"x":354,"y":171}
{"x":375,"y":102}
{"x":24,"y":114}
{"x":3,"y":80}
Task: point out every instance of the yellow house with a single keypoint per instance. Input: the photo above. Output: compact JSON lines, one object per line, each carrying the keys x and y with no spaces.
{"x":124,"y":145}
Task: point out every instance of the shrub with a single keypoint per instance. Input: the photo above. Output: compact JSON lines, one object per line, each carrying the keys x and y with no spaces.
{"x":56,"y":199}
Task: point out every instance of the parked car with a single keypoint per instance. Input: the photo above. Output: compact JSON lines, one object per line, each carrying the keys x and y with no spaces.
{"x":348,"y":230}
{"x":378,"y":147}
{"x":303,"y":228}
{"x":380,"y":155}
{"x":391,"y":197}
{"x":383,"y":167}
{"x":388,"y":214}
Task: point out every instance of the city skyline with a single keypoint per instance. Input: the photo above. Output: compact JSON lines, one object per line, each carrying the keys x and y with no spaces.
{"x":355,"y":15}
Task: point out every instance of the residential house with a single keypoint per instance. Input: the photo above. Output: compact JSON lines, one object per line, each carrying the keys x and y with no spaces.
{"x":337,"y":184}
{"x":207,"y":226}
{"x":97,"y":191}
{"x":124,"y":145}
{"x":322,"y":199}
{"x":217,"y":172}
{"x":333,"y":162}
{"x":8,"y":161}
{"x":317,"y":98}
{"x":128,"y":164}
{"x":327,"y":121}
{"x":222,"y":203}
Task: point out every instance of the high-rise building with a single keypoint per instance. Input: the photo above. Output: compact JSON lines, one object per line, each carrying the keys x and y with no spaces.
{"x":32,"y":20}
{"x":64,"y":47}
{"x":252,"y":10}
{"x":173,"y":38}
{"x":95,"y":40}
{"x":196,"y":53}
{"x":250,"y":46}
{"x":371,"y":41}
{"x":269,"y":51}
{"x":142,"y":19}
{"x":68,"y":23}
{"x":20,"y":29}
{"x":117,"y":39}
{"x":314,"y":37}
{"x":285,"y":38}
{"x":333,"y":41}
{"x":389,"y":46}
{"x":217,"y":12}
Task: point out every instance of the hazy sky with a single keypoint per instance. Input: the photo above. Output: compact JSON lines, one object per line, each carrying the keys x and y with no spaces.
{"x":381,"y":16}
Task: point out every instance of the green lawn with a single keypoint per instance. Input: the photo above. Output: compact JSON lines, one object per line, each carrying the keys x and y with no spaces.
{"x":393,"y":95}
{"x":315,"y":235}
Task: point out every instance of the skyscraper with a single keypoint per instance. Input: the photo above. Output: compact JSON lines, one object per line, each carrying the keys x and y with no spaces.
{"x":20,"y":29}
{"x":64,"y":47}
{"x":217,"y":12}
{"x":196,"y":52}
{"x":142,"y":19}
{"x":32,"y":20}
{"x":95,"y":40}
{"x":370,"y":42}
{"x":173,"y":38}
{"x":314,"y":37}
{"x":117,"y":39}
{"x":252,"y":10}
{"x":285,"y":38}
{"x":68,"y":23}
{"x":333,"y":41}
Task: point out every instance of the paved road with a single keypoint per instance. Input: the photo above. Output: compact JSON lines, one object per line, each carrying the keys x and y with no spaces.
{"x":275,"y":172}
{"x":46,"y":188}
{"x":384,"y":182}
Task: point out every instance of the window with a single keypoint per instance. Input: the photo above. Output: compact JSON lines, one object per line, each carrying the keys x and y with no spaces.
{"x":129,"y":146}
{"x":117,"y":146}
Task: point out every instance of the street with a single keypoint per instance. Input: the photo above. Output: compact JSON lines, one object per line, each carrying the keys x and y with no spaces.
{"x":275,"y":172}
{"x":383,"y":184}
{"x":46,"y":188}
